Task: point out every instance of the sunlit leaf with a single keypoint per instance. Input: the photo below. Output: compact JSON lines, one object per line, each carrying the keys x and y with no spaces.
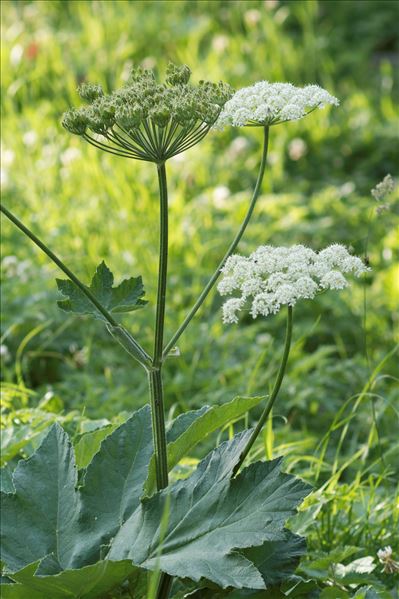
{"x":126,"y":297}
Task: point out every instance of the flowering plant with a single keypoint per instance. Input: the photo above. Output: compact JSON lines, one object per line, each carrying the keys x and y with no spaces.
{"x":73,"y":529}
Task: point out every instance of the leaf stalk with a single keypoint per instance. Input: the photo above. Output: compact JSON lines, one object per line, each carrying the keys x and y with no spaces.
{"x":135,"y":348}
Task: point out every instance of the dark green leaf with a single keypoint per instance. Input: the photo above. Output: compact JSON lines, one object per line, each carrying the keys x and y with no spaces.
{"x":47,"y":516}
{"x":114,"y":483}
{"x":88,"y":582}
{"x":39,"y":517}
{"x":211,"y":518}
{"x":276,"y":560}
{"x":126,"y":297}
{"x":190,"y":429}
{"x":370,"y":592}
{"x":7,"y":486}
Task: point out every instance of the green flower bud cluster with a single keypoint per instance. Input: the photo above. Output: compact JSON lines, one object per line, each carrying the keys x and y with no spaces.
{"x":148,"y":120}
{"x":90,"y":91}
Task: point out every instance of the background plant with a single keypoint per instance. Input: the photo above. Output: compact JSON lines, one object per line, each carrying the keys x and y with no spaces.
{"x":322,"y":194}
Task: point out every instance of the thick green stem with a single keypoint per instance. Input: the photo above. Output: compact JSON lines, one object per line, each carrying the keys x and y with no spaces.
{"x":135,"y":348}
{"x":229,"y":252}
{"x":273,"y":396}
{"x":158,"y":427}
{"x":163,"y":265}
{"x":155,"y":373}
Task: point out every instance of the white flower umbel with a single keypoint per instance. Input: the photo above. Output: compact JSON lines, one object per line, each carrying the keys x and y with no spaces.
{"x":272,"y":277}
{"x":267,"y":103}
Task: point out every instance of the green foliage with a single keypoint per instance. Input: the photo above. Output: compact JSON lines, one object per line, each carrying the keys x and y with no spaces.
{"x":126,"y":297}
{"x":201,"y":537}
{"x":191,"y":428}
{"x":87,"y":582}
{"x":68,"y":525}
{"x":57,"y":536}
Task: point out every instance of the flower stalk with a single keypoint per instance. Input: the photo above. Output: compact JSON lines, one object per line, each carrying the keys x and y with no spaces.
{"x":231,"y":249}
{"x":274,"y":394}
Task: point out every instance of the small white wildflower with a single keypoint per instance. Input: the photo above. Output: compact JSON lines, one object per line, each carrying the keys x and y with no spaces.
{"x":220,"y":195}
{"x":70,"y":155}
{"x":352,"y":264}
{"x":385,"y":556}
{"x":252,"y":286}
{"x":297,"y":148}
{"x":384,"y":188}
{"x":267,"y":103}
{"x":272,"y":277}
{"x":334,"y":254}
{"x":227,"y":285}
{"x":383,"y":208}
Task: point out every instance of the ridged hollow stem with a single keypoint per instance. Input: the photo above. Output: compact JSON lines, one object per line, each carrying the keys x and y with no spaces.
{"x":229,"y":252}
{"x":158,"y":427}
{"x":130,"y":344}
{"x":155,"y":373}
{"x":163,"y":265}
{"x":274,"y":394}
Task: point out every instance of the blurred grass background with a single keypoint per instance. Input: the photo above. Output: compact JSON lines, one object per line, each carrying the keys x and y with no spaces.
{"x":90,"y":206}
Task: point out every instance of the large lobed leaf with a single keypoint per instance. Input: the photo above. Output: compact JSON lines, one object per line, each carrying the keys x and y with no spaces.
{"x":56,"y":537}
{"x":126,"y":297}
{"x":210,"y":517}
{"x":47,"y":515}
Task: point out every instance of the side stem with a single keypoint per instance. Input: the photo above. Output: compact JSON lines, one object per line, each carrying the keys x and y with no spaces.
{"x":229,"y":252}
{"x":273,"y":396}
{"x":135,"y":348}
